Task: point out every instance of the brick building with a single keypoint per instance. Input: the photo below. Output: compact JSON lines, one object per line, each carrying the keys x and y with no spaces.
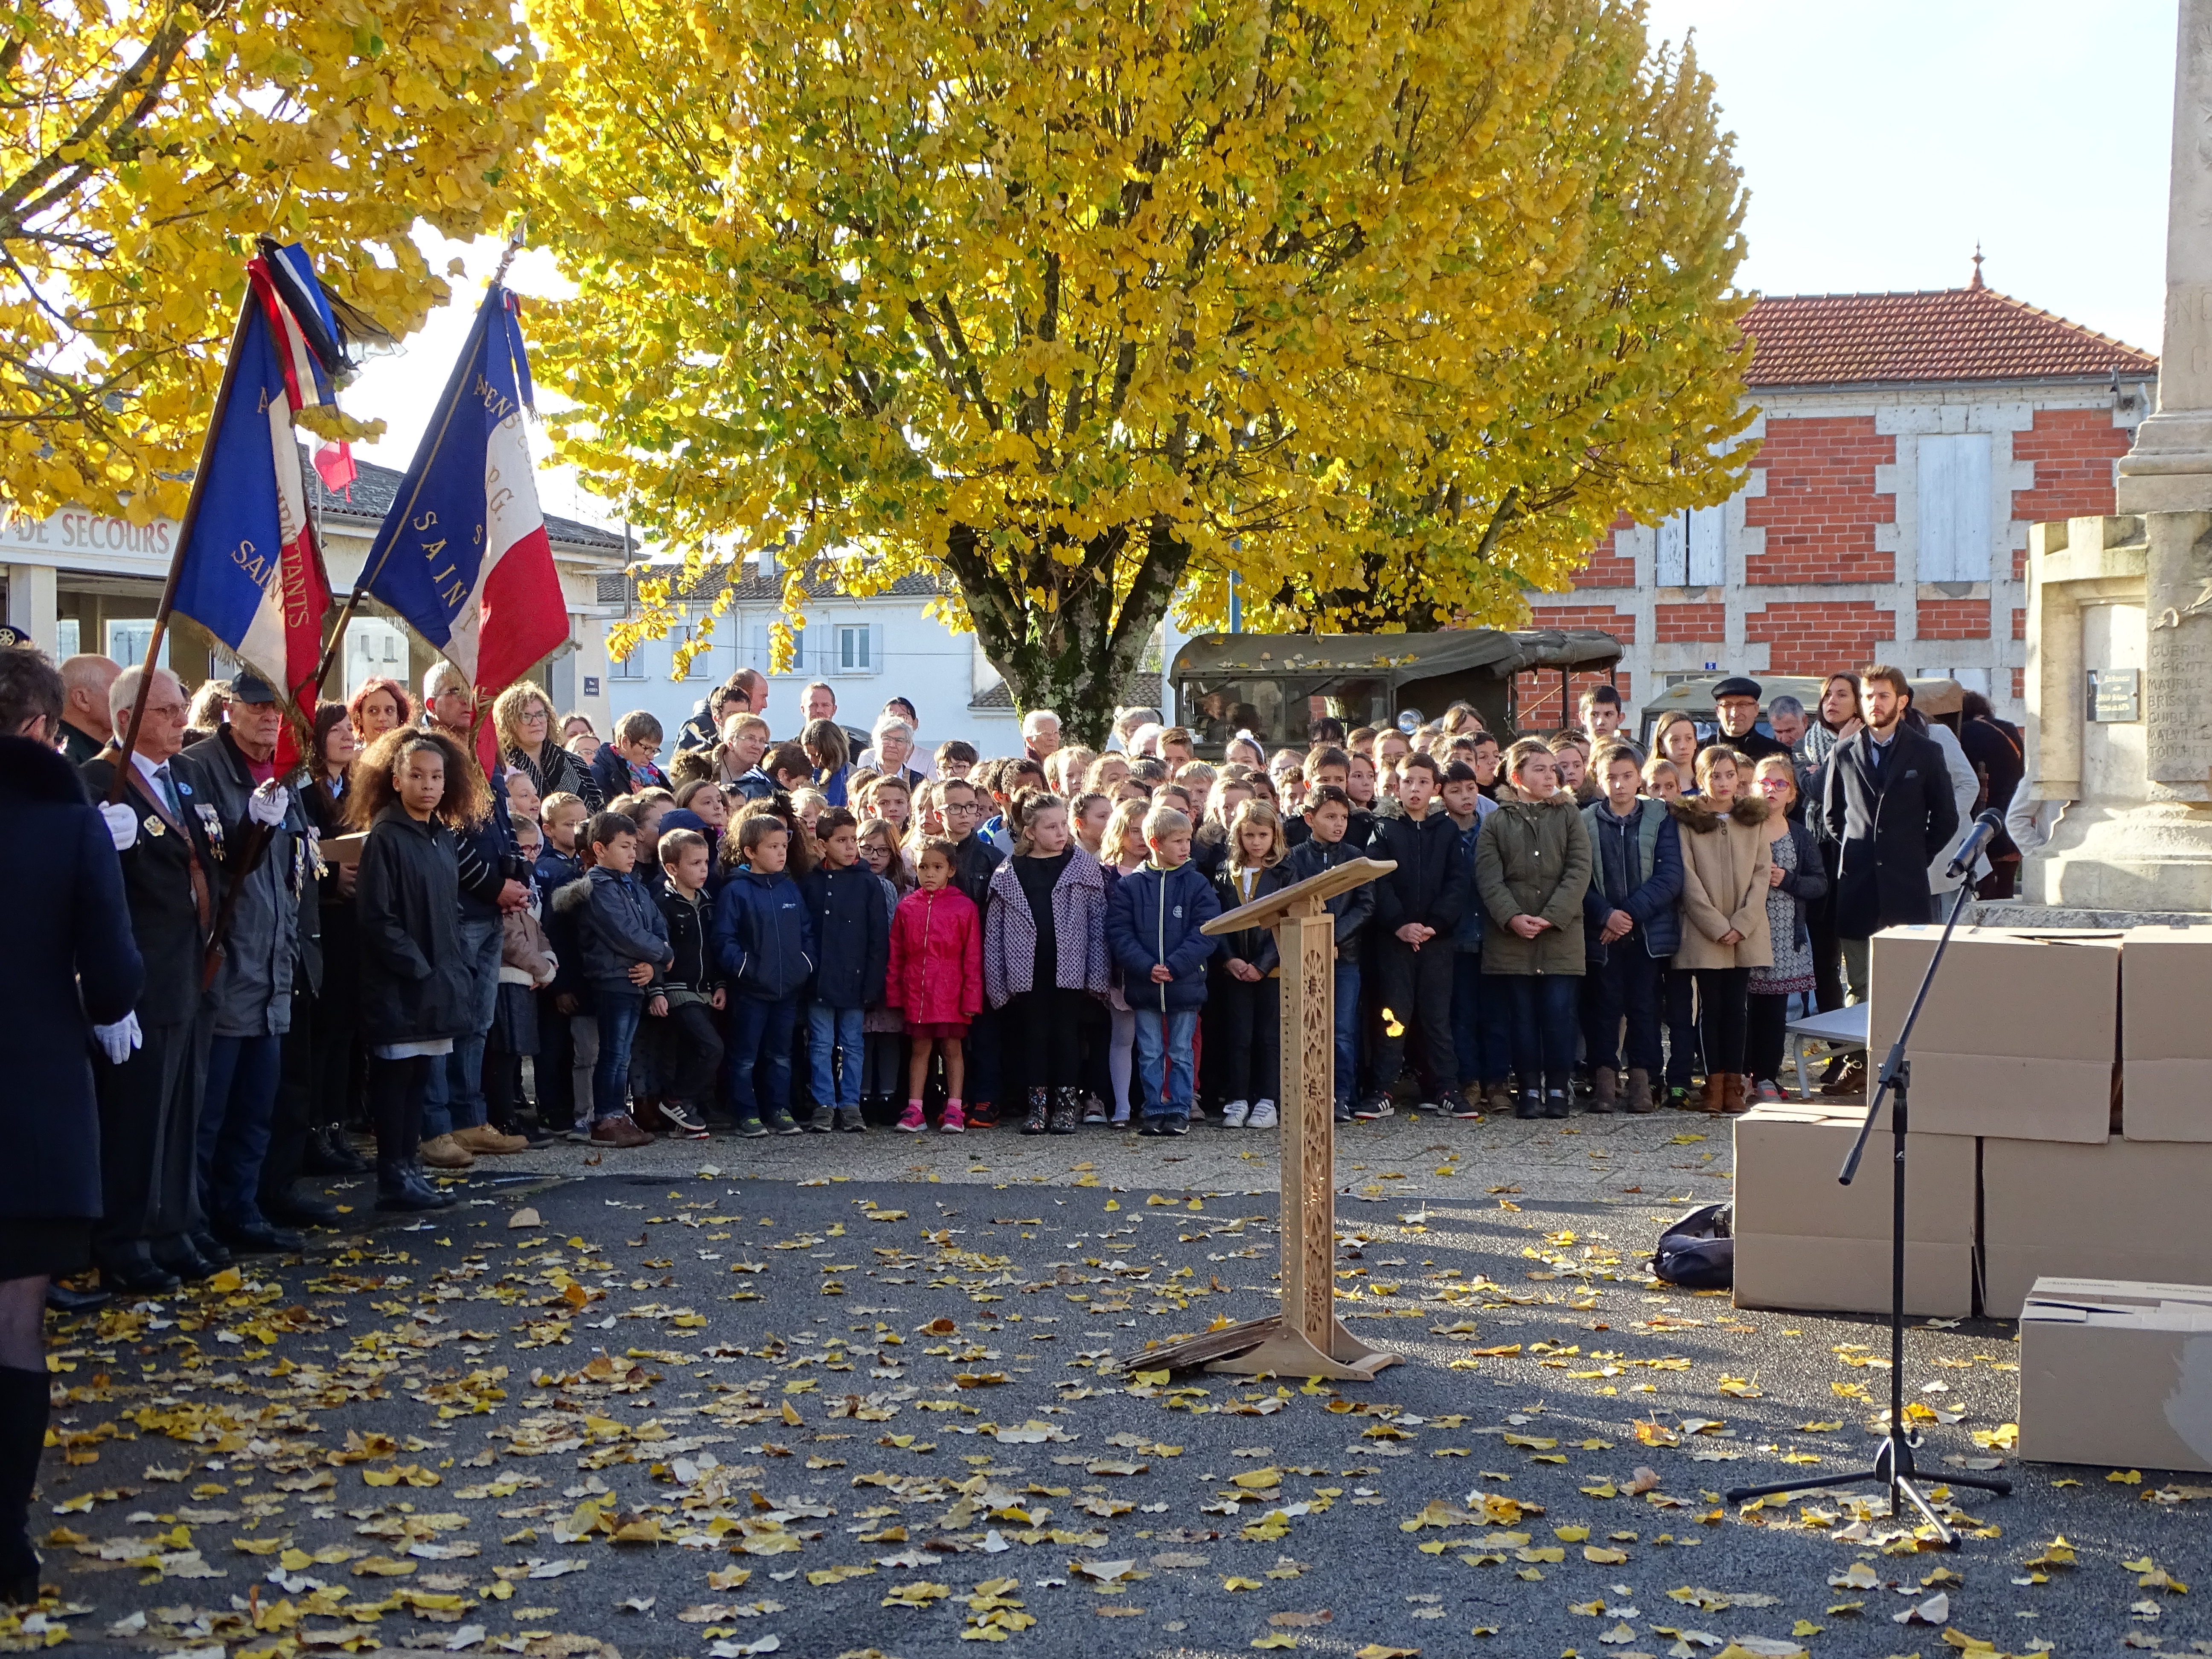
{"x":1907,"y":441}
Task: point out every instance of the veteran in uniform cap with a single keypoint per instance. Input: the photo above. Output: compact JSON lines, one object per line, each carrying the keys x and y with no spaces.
{"x":1735,"y":706}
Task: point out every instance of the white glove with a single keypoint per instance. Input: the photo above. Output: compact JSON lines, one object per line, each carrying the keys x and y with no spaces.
{"x":266,"y":806}
{"x":122,"y":825}
{"x":120,"y":1038}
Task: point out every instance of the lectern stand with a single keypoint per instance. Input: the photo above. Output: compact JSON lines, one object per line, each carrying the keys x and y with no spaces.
{"x":1305,"y":1339}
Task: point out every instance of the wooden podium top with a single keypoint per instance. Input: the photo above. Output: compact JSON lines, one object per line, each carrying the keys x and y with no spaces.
{"x":1304,"y":898}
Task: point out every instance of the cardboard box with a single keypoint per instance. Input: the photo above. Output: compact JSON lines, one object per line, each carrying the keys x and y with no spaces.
{"x":2116,"y":1373}
{"x":2165,"y":1042}
{"x":2126,"y":1210}
{"x":1851,"y":1275}
{"x":1787,"y":1156}
{"x":2020,"y":1034}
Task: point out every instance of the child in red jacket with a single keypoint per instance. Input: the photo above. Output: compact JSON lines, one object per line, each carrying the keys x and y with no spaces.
{"x":936,"y":979}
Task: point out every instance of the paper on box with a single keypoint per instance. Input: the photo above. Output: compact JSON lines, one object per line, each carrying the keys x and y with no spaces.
{"x":1787,"y":1156}
{"x":2166,"y":1041}
{"x":2116,"y":1372}
{"x":1851,"y":1275}
{"x":2126,"y":1210}
{"x":2019,"y":1035}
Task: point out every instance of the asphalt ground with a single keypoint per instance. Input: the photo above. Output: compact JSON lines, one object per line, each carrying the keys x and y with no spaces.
{"x":712,"y":1416}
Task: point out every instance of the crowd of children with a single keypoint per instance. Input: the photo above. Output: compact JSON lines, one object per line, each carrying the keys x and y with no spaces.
{"x":785,"y":939}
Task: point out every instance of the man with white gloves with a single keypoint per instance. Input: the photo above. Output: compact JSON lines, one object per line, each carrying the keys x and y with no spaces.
{"x":149,"y":1081}
{"x":256,"y":835}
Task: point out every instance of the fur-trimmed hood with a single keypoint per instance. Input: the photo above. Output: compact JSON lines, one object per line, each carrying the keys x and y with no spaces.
{"x":1513,"y":795}
{"x":1694,"y":813}
{"x":32,"y":771}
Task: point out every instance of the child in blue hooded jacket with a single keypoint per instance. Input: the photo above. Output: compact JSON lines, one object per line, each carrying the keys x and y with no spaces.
{"x":1153,"y":919}
{"x":764,"y":940}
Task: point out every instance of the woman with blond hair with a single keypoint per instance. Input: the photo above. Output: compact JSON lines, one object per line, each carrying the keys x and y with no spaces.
{"x":1725,"y":860}
{"x":523,"y":717}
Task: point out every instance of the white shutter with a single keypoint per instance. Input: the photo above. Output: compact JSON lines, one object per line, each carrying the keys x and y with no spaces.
{"x":1954,"y":508}
{"x":875,"y":647}
{"x":1708,"y":547}
{"x":1671,"y":567}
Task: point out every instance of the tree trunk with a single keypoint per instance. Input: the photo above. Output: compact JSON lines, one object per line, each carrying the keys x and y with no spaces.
{"x":1072,"y":659}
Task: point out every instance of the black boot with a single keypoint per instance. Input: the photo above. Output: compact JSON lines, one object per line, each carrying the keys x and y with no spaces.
{"x":1558,"y":1101}
{"x":441,"y":1197}
{"x":338,"y":1146}
{"x":23,"y":1400}
{"x":1528,"y":1103}
{"x":1067,"y":1116}
{"x":1040,"y":1117}
{"x":398,"y":1188}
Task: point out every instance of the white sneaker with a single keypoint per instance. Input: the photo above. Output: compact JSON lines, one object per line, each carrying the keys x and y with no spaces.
{"x":1234,"y":1113}
{"x":1263,"y":1116}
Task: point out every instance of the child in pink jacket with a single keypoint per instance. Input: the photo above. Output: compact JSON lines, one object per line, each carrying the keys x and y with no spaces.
{"x":936,"y":981}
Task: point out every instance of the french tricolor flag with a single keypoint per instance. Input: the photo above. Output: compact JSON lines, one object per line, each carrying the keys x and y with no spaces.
{"x":462,"y":557}
{"x":249,"y":571}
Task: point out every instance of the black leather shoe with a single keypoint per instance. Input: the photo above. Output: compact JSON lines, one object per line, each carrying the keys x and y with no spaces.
{"x":64,"y":1300}
{"x":299,"y":1209}
{"x":212,"y":1251}
{"x":438,"y":1197}
{"x":329,"y":1152}
{"x":259,"y":1237}
{"x":133,"y":1272}
{"x":176,"y":1255}
{"x":398,"y":1188}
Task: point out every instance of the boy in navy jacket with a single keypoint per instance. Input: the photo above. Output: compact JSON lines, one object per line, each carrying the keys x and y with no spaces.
{"x":1417,"y":912}
{"x":689,"y":1046}
{"x":853,"y":944}
{"x":624,"y":947}
{"x":1153,"y":919}
{"x":1632,"y":923}
{"x":764,"y":942}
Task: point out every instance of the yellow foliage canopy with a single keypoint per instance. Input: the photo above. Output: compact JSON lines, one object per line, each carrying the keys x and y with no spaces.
{"x":1390,"y":308}
{"x":141,"y":148}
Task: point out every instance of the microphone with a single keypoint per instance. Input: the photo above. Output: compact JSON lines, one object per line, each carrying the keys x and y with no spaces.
{"x":1986,"y":828}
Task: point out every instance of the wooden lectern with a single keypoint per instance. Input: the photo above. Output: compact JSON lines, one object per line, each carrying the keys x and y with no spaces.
{"x":1304,"y":1339}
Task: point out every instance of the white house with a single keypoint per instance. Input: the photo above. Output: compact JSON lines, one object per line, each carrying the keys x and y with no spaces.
{"x":867,"y":651}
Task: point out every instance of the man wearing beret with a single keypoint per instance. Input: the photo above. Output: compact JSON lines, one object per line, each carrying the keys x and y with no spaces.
{"x":1735,"y":705}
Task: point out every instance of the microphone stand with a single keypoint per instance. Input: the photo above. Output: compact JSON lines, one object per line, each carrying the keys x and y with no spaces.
{"x":1892,"y":1464}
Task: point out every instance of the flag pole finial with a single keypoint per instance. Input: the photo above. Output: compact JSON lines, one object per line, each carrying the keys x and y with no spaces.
{"x":514,"y":246}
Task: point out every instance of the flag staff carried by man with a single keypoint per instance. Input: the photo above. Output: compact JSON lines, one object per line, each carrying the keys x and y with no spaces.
{"x":246,"y":567}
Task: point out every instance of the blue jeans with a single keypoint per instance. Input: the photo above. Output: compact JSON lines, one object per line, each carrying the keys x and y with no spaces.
{"x":240,"y":1099}
{"x":1347,"y":1030}
{"x":760,"y":1036}
{"x":618,"y":1012}
{"x":1534,"y":1020}
{"x":1624,"y":985}
{"x":454,"y":1099}
{"x":1467,"y":1015}
{"x":1166,"y":1038}
{"x":829,"y":1029}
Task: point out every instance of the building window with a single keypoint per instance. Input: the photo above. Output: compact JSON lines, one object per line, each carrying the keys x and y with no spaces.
{"x":857,"y":648}
{"x":1954,"y":508}
{"x":1692,"y":548}
{"x":631,"y":668}
{"x":128,"y":638}
{"x":375,"y":649}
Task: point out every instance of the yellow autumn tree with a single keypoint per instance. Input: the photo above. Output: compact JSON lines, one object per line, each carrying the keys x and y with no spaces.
{"x":144,"y":146}
{"x":1388,"y":307}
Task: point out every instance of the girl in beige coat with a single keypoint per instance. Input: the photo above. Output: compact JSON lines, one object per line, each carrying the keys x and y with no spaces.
{"x":1724,"y":935}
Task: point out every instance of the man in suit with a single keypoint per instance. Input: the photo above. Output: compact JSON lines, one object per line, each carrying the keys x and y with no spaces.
{"x":1890,"y":811}
{"x":149,"y":1098}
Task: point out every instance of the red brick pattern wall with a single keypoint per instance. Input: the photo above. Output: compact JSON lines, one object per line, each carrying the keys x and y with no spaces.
{"x":1537,"y":697}
{"x":1820,"y":509}
{"x":1819,"y":638}
{"x":1621,"y":624}
{"x":2073,"y":450}
{"x":1954,"y":619}
{"x":1689,"y":624}
{"x":2020,"y":622}
{"x":1608,"y":567}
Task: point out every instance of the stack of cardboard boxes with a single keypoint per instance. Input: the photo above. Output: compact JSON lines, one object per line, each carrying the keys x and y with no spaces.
{"x":2060,"y":1126}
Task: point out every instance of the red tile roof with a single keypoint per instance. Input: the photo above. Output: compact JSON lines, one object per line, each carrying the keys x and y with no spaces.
{"x":1950,"y":334}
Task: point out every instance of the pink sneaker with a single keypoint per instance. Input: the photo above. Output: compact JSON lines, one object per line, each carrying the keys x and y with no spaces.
{"x":955,"y":1121}
{"x":910,"y":1119}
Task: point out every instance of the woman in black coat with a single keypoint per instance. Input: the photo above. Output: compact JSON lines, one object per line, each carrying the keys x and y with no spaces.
{"x":524,"y":719}
{"x":414,"y":991}
{"x":71,"y":965}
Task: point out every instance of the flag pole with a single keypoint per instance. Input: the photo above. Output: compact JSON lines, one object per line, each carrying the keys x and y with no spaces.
{"x":353,"y":599}
{"x":177,"y":554}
